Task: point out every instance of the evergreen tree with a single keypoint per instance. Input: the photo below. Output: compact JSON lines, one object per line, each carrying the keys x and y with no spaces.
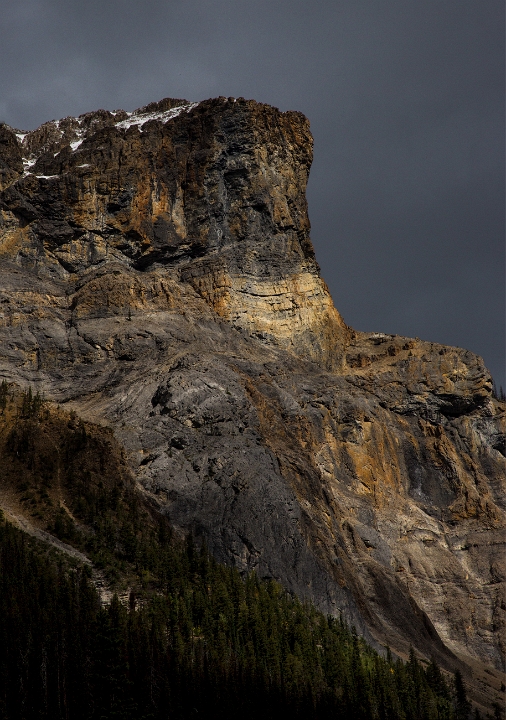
{"x":461,"y":704}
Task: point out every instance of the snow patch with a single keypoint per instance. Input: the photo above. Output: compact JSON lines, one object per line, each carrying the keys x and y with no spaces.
{"x":27,"y":164}
{"x":163,"y":117}
{"x":133,"y":118}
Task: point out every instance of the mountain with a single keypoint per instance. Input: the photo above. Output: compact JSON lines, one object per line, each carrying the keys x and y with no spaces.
{"x":157,"y":280}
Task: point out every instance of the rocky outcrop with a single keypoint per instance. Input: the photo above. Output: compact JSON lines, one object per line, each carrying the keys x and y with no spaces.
{"x":216,"y":190}
{"x":157,"y":276}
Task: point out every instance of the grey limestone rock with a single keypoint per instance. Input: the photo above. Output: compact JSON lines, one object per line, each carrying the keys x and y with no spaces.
{"x":157,"y":276}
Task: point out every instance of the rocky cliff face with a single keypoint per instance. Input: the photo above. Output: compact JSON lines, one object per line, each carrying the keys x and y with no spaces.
{"x":216,"y":190}
{"x":157,"y":276}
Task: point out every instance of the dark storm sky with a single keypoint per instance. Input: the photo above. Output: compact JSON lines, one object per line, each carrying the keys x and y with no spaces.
{"x":406,"y":103}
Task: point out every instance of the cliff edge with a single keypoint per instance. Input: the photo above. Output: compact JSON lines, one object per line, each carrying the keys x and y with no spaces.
{"x":157,"y":276}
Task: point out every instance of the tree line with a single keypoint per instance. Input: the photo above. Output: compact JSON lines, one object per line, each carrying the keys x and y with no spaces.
{"x":209,"y":643}
{"x":195,"y":639}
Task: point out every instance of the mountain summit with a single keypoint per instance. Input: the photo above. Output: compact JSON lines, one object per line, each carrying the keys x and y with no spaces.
{"x":157,"y":277}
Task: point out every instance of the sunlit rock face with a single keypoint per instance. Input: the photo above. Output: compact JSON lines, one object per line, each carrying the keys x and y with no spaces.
{"x":157,"y":276}
{"x":216,"y":190}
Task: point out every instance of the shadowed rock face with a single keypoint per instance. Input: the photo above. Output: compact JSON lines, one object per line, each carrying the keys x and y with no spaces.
{"x":156,"y":275}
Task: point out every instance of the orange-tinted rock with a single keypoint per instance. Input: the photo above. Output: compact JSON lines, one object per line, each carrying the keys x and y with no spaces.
{"x":157,"y":275}
{"x":217,"y":191}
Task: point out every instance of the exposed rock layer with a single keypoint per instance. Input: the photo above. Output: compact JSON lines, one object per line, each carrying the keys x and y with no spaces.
{"x":217,"y":190}
{"x":157,"y":276}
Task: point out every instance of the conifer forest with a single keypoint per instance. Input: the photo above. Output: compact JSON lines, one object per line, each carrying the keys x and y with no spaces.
{"x":191,"y":638}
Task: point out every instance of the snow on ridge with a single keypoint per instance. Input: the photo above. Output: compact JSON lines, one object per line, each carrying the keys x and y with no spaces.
{"x":133,"y":118}
{"x":27,"y":164}
{"x":142,"y":118}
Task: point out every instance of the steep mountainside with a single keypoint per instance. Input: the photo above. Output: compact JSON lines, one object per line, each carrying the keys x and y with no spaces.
{"x":157,"y":277}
